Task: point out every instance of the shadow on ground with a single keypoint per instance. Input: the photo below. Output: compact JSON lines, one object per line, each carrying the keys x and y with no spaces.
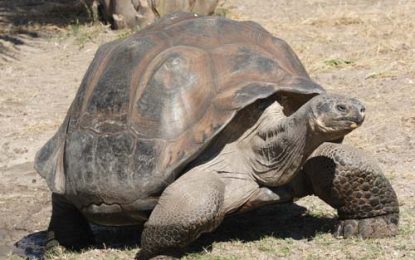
{"x":41,"y":12}
{"x":24,"y":19}
{"x":280,"y":221}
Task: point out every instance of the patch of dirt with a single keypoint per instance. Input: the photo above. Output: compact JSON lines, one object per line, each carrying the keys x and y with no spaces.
{"x":360,"y":48}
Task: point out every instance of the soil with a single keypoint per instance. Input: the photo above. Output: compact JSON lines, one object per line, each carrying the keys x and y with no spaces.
{"x":362,"y":48}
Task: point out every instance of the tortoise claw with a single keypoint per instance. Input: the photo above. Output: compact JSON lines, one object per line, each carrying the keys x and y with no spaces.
{"x":376,"y":227}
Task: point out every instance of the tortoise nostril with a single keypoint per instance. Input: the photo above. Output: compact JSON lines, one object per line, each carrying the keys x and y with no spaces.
{"x":362,"y":110}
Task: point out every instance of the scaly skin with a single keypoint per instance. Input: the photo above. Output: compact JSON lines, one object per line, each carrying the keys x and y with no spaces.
{"x":189,"y":207}
{"x":350,"y":181}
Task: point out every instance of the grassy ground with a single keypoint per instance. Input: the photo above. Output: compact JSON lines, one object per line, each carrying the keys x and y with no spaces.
{"x":360,"y":48}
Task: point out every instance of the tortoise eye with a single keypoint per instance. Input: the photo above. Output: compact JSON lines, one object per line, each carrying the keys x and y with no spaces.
{"x":341,"y":108}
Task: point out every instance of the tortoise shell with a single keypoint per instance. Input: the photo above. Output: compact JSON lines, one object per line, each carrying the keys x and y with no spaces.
{"x":151,"y":103}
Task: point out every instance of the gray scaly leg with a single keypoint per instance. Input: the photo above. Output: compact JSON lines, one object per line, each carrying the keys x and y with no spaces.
{"x":350,"y":181}
{"x":189,"y":207}
{"x":68,"y":227}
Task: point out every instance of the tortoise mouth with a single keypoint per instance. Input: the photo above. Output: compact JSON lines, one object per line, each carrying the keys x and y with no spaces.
{"x":351,"y":123}
{"x":339,"y":127}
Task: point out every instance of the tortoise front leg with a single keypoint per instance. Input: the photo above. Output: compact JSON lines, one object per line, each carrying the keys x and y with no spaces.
{"x":190,"y":206}
{"x":67,"y":227}
{"x":348,"y":180}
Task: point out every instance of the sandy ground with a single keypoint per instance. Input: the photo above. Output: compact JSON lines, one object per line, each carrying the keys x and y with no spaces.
{"x":360,"y":48}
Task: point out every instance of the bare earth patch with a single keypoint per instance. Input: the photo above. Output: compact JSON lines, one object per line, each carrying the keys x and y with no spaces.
{"x":359,"y":48}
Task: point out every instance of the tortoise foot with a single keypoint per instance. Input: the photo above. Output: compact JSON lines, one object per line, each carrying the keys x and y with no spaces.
{"x":68,"y":227}
{"x":173,"y":255}
{"x":376,"y":227}
{"x":73,"y":243}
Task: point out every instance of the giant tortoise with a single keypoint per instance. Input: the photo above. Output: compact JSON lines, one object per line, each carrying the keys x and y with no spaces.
{"x":195,"y":118}
{"x":140,"y":13}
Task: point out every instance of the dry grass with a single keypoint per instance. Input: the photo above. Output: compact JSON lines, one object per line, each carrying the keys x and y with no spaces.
{"x":368,"y":33}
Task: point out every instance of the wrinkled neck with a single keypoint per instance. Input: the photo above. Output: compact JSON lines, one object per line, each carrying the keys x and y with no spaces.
{"x":278,"y":148}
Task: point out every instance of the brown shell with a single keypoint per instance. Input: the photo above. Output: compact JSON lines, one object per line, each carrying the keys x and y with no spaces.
{"x":150,"y":103}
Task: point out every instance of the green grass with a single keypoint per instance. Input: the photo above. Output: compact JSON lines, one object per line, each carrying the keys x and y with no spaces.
{"x":83,"y":33}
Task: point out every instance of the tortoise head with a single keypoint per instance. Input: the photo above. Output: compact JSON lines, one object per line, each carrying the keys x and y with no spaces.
{"x":334,"y":116}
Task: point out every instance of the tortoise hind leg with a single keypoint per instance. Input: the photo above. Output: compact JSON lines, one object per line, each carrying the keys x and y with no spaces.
{"x":348,"y":180}
{"x":68,"y":227}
